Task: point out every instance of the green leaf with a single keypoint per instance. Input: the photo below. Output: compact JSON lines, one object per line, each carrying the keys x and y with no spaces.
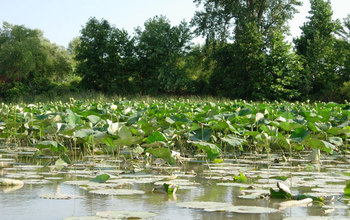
{"x":299,"y":134}
{"x":337,"y":141}
{"x":233,"y":140}
{"x":52,"y":145}
{"x":94,"y":119}
{"x":280,"y":194}
{"x":156,"y":136}
{"x":202,"y":134}
{"x":240,"y":179}
{"x":211,"y":149}
{"x":245,"y":111}
{"x":124,"y":132}
{"x":127,"y":141}
{"x":319,"y":144}
{"x":289,"y":126}
{"x":60,"y":164}
{"x":283,"y":178}
{"x":101,"y":178}
{"x":168,"y":189}
{"x":72,"y":119}
{"x":347,"y":189}
{"x":323,"y":126}
{"x":217,"y":161}
{"x":163,"y":153}
{"x":169,"y":120}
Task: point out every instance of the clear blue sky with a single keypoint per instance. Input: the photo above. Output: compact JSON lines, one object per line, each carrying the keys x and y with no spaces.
{"x":61,"y":20}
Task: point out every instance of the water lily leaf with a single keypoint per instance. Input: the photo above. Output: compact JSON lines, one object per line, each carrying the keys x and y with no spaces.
{"x":90,"y":135}
{"x":52,"y":145}
{"x":233,"y":140}
{"x":323,"y":126}
{"x":245,"y":111}
{"x":155,"y":137}
{"x":279,"y":194}
{"x":347,"y":189}
{"x":220,"y":206}
{"x":125,"y":215}
{"x":72,"y":119}
{"x":117,"y":192}
{"x":124,"y":132}
{"x":94,"y":119}
{"x":83,"y":218}
{"x":289,"y":126}
{"x":169,"y":120}
{"x":101,"y":178}
{"x":240,"y":179}
{"x":283,"y":178}
{"x":337,"y":141}
{"x":10,"y":182}
{"x":294,"y":203}
{"x":319,"y":144}
{"x":211,"y":149}
{"x":170,"y":188}
{"x":138,"y":150}
{"x":60,"y":164}
{"x":163,"y":153}
{"x":217,"y":161}
{"x":202,"y":134}
{"x":127,"y":141}
{"x":299,"y":134}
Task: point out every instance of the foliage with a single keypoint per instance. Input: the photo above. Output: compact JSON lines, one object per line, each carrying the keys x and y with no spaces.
{"x":159,"y":127}
{"x":160,"y":50}
{"x":104,"y":55}
{"x":317,"y":46}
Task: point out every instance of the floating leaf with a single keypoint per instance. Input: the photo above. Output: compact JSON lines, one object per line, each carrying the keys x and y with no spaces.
{"x":169,"y":188}
{"x":240,"y":179}
{"x":163,"y":153}
{"x":347,"y":189}
{"x":117,"y":192}
{"x":101,"y":178}
{"x":125,"y":215}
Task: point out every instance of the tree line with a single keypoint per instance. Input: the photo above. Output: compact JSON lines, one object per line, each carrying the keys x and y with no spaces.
{"x":245,"y":55}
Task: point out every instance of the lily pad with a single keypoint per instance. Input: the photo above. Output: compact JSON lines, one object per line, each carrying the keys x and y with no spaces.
{"x":125,"y":215}
{"x":220,"y":206}
{"x":117,"y":192}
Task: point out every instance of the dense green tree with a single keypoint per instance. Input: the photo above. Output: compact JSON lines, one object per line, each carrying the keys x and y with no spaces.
{"x":160,"y":49}
{"x":220,"y":18}
{"x":317,"y":46}
{"x":244,"y":32}
{"x":26,"y":53}
{"x":103,"y":57}
{"x":282,"y":70}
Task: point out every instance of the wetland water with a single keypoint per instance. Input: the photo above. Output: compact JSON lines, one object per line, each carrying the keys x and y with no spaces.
{"x":45,"y":186}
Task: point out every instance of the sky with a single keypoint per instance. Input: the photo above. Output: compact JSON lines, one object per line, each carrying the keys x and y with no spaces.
{"x":62,"y":20}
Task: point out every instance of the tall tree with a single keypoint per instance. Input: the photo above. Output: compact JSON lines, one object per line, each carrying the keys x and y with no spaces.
{"x":160,"y":48}
{"x":251,"y":26}
{"x":102,"y":57}
{"x":316,"y":45}
{"x":26,"y":53}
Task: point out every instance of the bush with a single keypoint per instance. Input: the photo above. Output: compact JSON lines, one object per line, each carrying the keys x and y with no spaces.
{"x":345,"y":90}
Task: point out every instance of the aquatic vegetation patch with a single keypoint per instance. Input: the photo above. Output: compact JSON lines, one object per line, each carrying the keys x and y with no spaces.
{"x":220,"y":206}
